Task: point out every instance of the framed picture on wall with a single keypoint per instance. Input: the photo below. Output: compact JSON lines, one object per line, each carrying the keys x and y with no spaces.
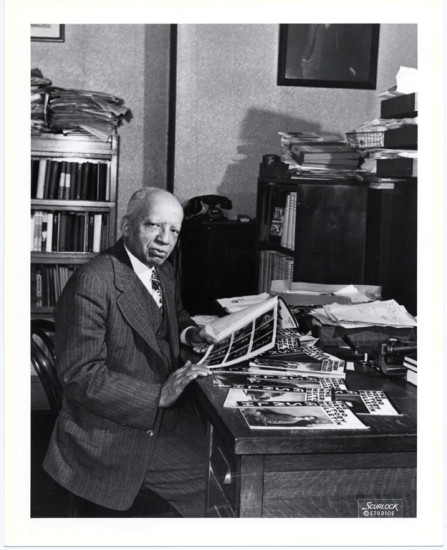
{"x":48,"y":33}
{"x":328,"y":55}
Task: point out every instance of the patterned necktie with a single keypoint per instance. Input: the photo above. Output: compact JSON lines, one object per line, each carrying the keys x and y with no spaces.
{"x":156,"y":288}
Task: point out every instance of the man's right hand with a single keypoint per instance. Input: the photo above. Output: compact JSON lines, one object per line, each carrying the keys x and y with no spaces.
{"x":178,"y":380}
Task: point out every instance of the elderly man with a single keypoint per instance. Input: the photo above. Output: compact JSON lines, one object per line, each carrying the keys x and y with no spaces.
{"x":119,"y":323}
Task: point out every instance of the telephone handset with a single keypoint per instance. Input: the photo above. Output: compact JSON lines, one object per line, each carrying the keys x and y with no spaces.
{"x":207,"y":207}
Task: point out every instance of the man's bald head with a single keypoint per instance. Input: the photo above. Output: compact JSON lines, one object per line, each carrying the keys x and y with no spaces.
{"x":152,"y":224}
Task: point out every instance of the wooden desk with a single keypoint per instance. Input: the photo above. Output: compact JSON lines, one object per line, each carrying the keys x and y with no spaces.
{"x":310,"y":473}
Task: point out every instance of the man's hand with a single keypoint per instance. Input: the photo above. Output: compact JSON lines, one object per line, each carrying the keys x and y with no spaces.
{"x":178,"y":380}
{"x":199,"y":339}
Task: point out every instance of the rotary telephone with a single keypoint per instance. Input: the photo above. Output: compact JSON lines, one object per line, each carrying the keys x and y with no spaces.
{"x":207,"y":208}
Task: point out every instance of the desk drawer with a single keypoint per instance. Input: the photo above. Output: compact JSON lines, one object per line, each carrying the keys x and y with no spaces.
{"x":222,"y":482}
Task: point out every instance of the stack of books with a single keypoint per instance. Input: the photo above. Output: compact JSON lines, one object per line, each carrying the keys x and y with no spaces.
{"x":326,"y":155}
{"x":316,"y":156}
{"x":411,"y":364}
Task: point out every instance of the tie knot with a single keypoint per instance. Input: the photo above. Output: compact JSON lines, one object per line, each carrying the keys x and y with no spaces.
{"x":156,"y":288}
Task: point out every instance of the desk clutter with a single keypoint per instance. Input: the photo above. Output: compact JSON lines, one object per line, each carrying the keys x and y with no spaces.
{"x":278,"y":378}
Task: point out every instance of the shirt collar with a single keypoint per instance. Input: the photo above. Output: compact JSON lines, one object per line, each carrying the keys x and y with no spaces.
{"x":138,"y":266}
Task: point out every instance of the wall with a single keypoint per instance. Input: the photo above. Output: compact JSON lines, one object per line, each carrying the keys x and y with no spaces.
{"x":130,"y":61}
{"x":230,"y":110}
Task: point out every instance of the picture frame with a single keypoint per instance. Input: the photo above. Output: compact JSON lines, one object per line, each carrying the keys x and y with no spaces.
{"x":48,"y":33}
{"x":328,"y":55}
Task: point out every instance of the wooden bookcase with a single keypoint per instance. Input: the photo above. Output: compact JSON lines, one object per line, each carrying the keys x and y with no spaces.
{"x":327,"y":243}
{"x":71,"y":210}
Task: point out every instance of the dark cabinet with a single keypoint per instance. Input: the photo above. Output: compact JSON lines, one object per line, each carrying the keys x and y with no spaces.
{"x":343,"y":232}
{"x":217,"y":260}
{"x":391,"y":242}
{"x":328,"y":233}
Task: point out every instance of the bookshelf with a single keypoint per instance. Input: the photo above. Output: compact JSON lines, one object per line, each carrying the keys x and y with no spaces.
{"x":311,"y":230}
{"x":73,"y":210}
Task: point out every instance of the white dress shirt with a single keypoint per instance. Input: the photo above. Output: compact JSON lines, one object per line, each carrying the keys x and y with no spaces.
{"x":144,"y":273}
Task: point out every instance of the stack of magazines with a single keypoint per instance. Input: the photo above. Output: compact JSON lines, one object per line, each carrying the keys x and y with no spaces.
{"x":278,"y":381}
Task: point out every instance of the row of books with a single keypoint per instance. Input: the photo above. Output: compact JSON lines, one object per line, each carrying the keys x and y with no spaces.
{"x":283,"y":223}
{"x":274,"y":265}
{"x":277,"y":216}
{"x":68,"y":231}
{"x":47,"y":283}
{"x":62,"y":179}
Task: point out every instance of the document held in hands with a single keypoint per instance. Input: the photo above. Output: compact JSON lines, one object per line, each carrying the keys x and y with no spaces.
{"x":246,"y":333}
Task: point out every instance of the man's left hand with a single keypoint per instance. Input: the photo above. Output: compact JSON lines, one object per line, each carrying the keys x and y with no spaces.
{"x":199,"y":339}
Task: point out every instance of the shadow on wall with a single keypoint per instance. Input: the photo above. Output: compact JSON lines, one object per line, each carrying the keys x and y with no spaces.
{"x":259,"y":136}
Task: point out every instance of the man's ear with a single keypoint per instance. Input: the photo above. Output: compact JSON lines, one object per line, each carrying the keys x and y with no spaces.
{"x":125,"y":226}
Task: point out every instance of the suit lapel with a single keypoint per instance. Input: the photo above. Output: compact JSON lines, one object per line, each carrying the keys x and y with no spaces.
{"x":133,"y":299}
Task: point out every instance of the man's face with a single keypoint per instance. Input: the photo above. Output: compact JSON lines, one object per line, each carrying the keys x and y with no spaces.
{"x":152,"y":232}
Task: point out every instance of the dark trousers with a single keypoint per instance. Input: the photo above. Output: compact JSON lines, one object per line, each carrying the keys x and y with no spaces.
{"x":179,"y":462}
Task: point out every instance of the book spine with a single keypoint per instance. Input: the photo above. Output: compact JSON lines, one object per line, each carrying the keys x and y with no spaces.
{"x":79,"y":175}
{"x":55,"y":242}
{"x":85,"y":180}
{"x":67,"y":185}
{"x":73,"y":183}
{"x":41,"y":178}
{"x":54,"y":180}
{"x":39,"y":286}
{"x":286,"y":223}
{"x":61,"y":186}
{"x":44,"y":234}
{"x":93,"y":182}
{"x":102,"y":181}
{"x":34,"y":177}
{"x":97,"y":225}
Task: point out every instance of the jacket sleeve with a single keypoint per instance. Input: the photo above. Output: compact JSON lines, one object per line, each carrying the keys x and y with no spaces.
{"x":82,"y":317}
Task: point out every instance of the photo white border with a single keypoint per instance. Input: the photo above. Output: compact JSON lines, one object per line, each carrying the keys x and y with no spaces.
{"x":428,"y":528}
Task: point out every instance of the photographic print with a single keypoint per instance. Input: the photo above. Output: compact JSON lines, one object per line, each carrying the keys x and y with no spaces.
{"x":328,"y":55}
{"x":48,"y":33}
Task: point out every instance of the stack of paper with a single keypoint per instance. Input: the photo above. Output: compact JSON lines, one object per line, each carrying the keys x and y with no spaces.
{"x":386,"y":314}
{"x":74,"y":111}
{"x":300,"y":293}
{"x":39,"y":85}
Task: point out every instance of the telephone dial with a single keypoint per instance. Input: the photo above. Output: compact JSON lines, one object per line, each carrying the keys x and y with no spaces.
{"x":207,"y":207}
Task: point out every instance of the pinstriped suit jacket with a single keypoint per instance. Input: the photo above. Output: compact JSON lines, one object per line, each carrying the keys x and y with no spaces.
{"x":111,"y":369}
